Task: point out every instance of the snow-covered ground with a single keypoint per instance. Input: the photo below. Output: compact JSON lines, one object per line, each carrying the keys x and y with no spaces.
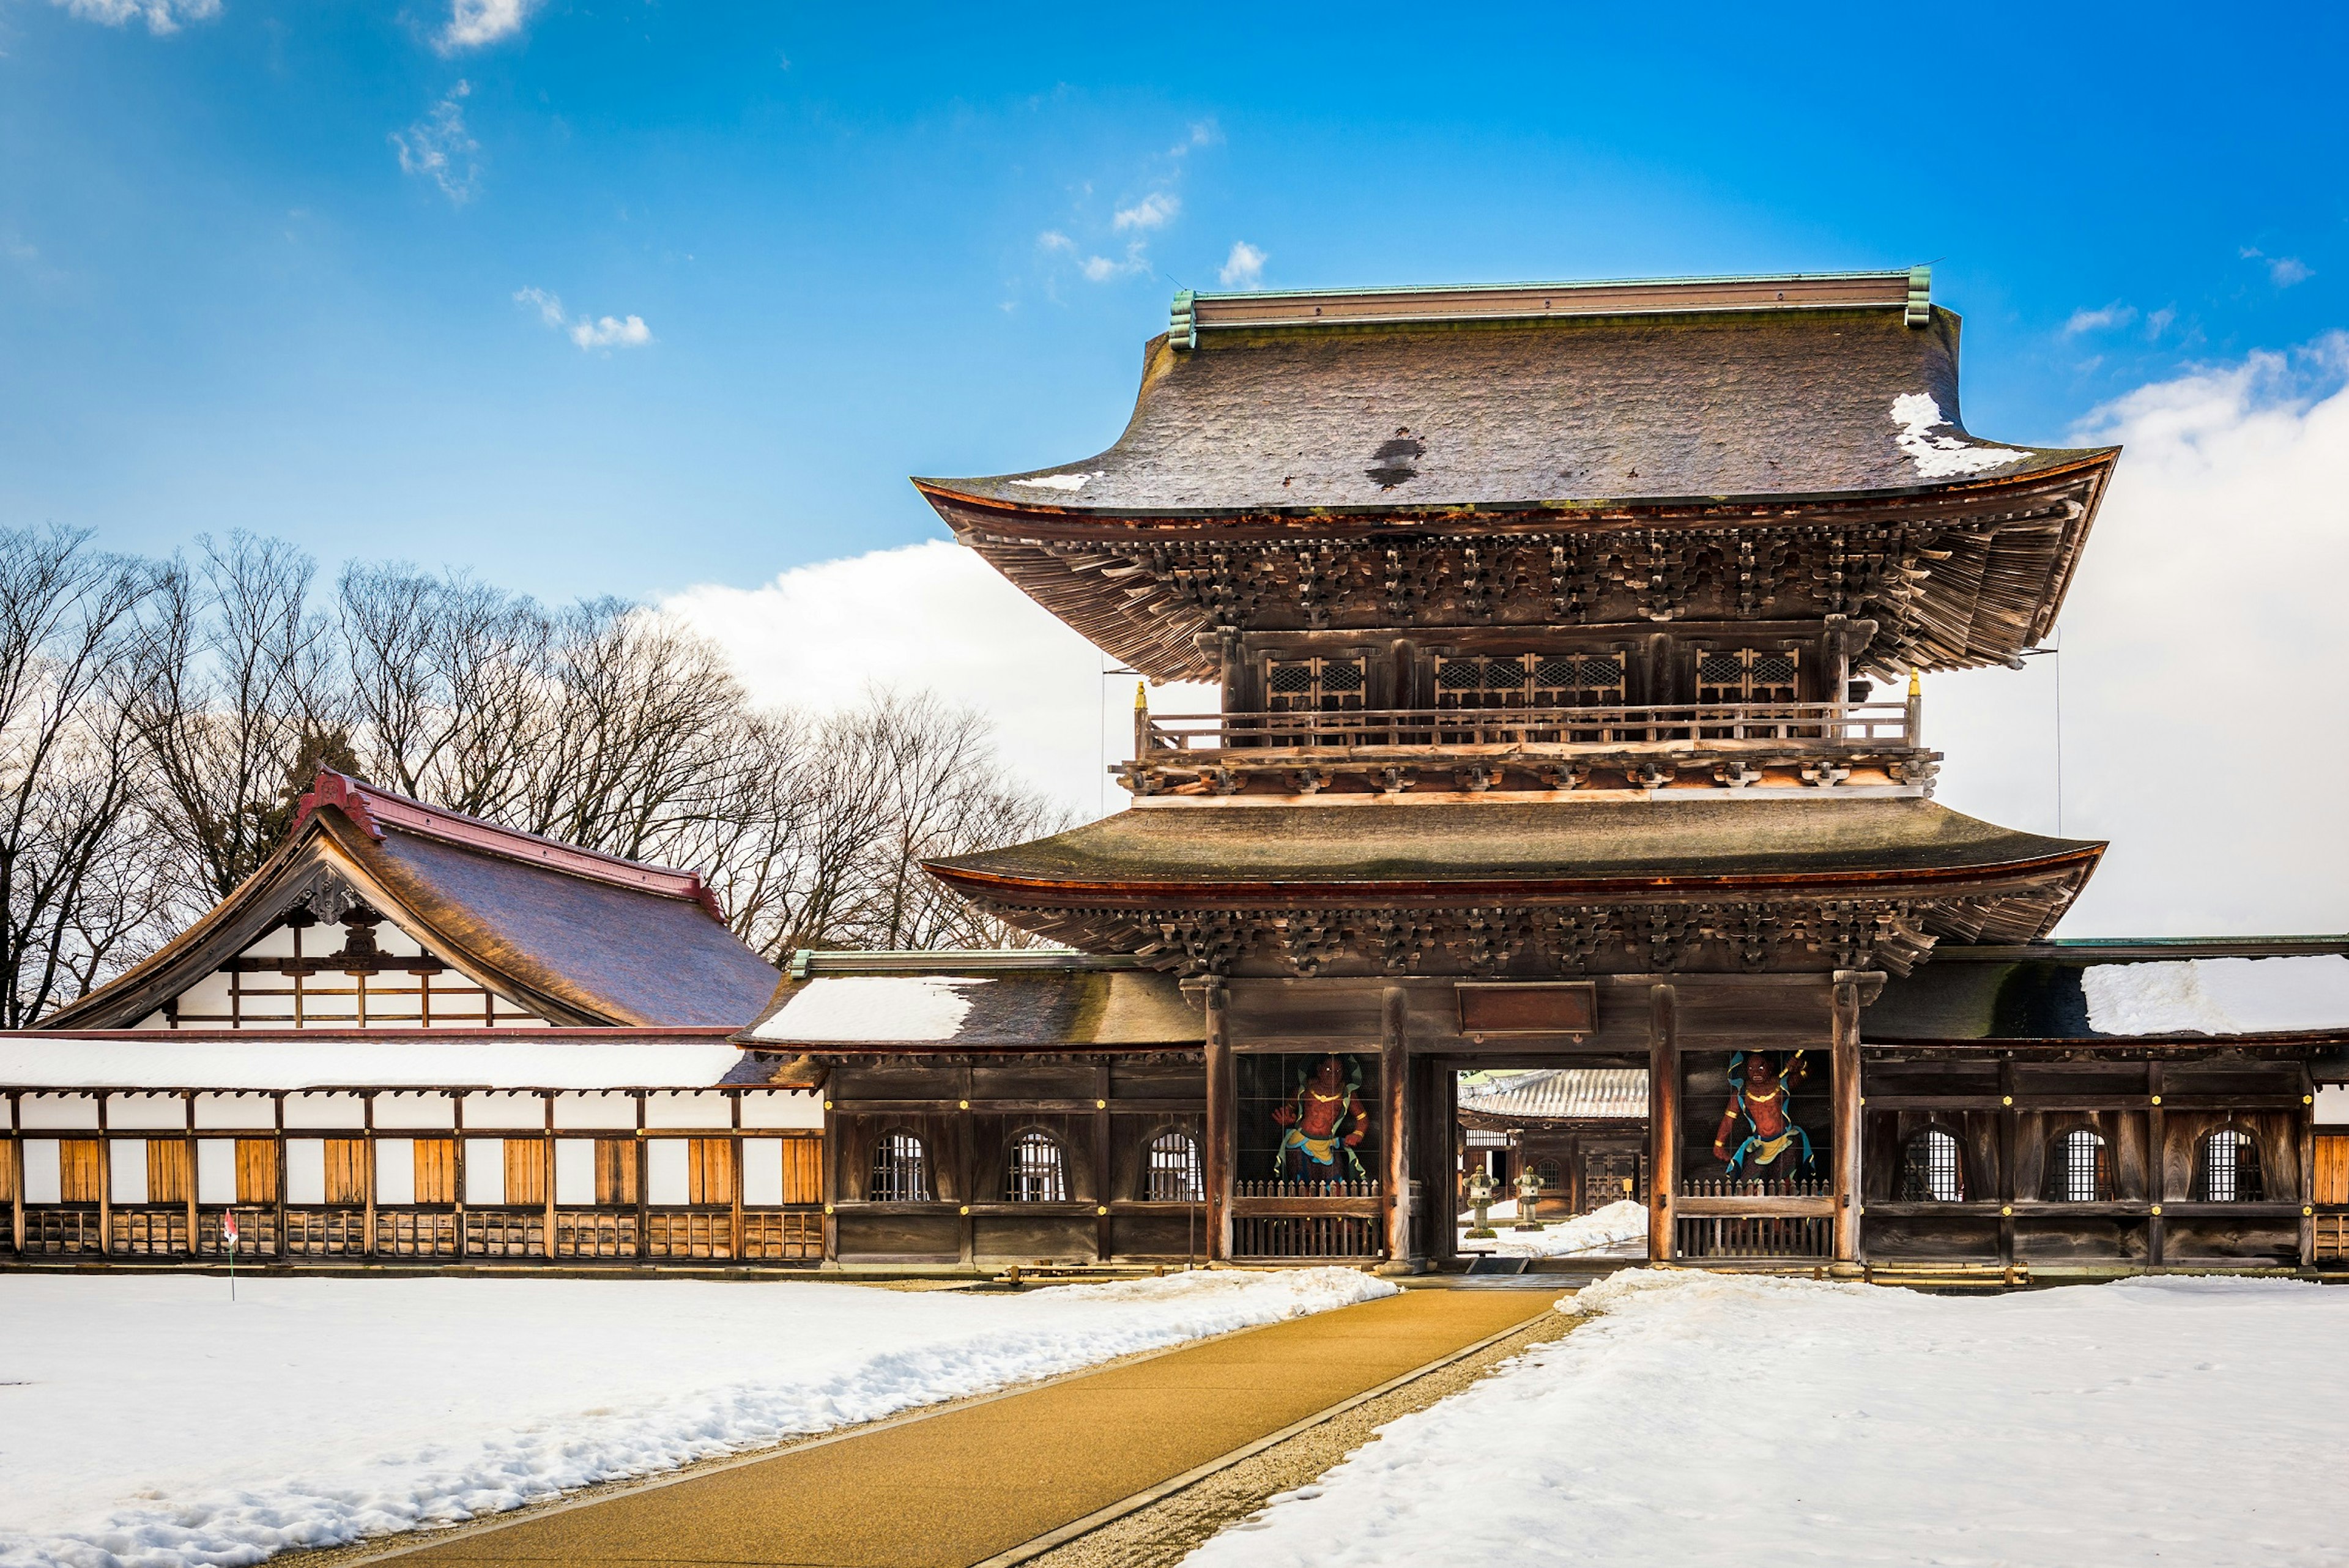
{"x":1600,"y":1233}
{"x":1707,"y":1419}
{"x":147,"y":1420}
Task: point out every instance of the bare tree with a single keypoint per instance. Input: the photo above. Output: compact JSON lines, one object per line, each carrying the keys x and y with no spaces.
{"x":233,"y":682}
{"x":77,"y":885}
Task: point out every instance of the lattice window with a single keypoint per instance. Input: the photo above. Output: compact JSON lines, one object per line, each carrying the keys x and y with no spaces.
{"x":1530,"y":681}
{"x":2082,"y":1169}
{"x":901,"y":1170}
{"x":1748,"y":675}
{"x":1931,"y":1169}
{"x":2231,"y":1167}
{"x":1038,"y":1170}
{"x":1172,"y":1173}
{"x":1313,"y":685}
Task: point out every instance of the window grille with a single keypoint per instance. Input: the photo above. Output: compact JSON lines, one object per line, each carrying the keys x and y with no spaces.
{"x":2231,"y":1167}
{"x":1173,"y":1174}
{"x":1748,"y":675}
{"x":1530,"y":681}
{"x":2083,"y":1168}
{"x":1038,"y":1173}
{"x":1313,"y":685}
{"x":901,"y":1170}
{"x":1931,"y":1170}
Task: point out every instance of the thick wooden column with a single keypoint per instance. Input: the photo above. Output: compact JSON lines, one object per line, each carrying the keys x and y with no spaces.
{"x":546,"y":1157}
{"x":2008,"y":1132}
{"x":1103,"y":1241}
{"x":1663,"y":1119}
{"x":1394,"y":1084}
{"x":2307,"y":1169}
{"x":1848,"y":1188}
{"x":1222,"y":1090}
{"x":2156,"y":1185}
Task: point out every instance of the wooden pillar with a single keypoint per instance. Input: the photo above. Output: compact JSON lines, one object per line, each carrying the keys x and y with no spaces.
{"x":105,"y":1182}
{"x":733,"y":1146}
{"x":644,"y":1181}
{"x":967,"y":1189}
{"x":189,"y":1151}
{"x":457,"y":1167}
{"x":2157,"y":1149}
{"x":546,"y":1154}
{"x":2307,"y":1169}
{"x":277,"y":1110}
{"x":831,"y":1175}
{"x":1394,"y":1086}
{"x":2009,"y":1125}
{"x":1102,"y":1241}
{"x":366,"y":1160}
{"x":1848,"y":1186}
{"x":1223,"y":1091}
{"x":15,"y":1155}
{"x":1663,"y":1119}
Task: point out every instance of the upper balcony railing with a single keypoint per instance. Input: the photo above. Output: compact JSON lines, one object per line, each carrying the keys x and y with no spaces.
{"x":1730,"y":744}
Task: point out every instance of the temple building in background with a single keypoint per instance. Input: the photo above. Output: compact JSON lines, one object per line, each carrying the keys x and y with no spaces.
{"x":1567,"y":640}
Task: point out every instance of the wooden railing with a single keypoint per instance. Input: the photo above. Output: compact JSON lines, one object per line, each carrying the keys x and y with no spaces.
{"x":791,"y":1234}
{"x":1284,"y":1236}
{"x":1305,"y":1190}
{"x":1166,"y":737}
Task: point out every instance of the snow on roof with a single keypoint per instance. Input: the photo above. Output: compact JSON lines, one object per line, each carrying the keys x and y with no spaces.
{"x":1619,"y":1092}
{"x":872,"y":1007}
{"x":2217,"y":996}
{"x":500,"y":1061}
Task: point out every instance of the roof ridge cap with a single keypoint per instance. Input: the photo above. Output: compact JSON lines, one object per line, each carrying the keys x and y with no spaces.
{"x":371,"y":808}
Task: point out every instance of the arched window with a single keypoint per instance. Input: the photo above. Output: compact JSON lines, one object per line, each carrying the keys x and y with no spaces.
{"x":2081,"y":1170}
{"x":1038,"y":1171}
{"x":1931,"y":1169}
{"x":2231,"y":1167}
{"x":1171,"y":1173}
{"x":901,"y":1170}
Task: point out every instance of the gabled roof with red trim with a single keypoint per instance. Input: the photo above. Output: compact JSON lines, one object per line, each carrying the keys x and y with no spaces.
{"x":578,"y":937}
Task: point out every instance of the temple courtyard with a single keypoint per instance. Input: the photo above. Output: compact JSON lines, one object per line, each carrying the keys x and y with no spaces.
{"x":1686,"y":1416}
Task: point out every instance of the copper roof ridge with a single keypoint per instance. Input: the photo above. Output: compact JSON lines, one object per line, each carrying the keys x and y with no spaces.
{"x":371,"y":808}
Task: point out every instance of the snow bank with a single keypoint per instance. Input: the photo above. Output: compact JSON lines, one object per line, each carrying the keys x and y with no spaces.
{"x":1592,"y":1233}
{"x":2217,"y":996}
{"x":1701,"y":1420}
{"x":146,"y":1420}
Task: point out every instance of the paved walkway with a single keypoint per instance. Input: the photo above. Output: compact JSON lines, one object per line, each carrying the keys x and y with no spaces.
{"x":956,"y":1488}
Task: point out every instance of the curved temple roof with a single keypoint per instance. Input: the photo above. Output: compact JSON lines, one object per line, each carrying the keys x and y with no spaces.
{"x":1676,"y":391}
{"x":1178,"y":856}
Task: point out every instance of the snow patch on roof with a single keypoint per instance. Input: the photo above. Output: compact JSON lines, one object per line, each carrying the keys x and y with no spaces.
{"x":1071,"y":483}
{"x":872,"y":1007}
{"x":290,"y":1062}
{"x":1942,"y":456}
{"x":2217,"y":996}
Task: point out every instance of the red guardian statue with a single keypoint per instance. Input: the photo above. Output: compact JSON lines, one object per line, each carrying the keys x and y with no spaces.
{"x":1774,"y":1148}
{"x":1324,"y":1120}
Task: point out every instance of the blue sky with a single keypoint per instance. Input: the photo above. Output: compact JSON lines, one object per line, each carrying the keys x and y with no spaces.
{"x":318,"y":269}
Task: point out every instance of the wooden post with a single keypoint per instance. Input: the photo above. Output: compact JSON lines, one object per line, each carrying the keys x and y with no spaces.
{"x":1223,"y":1089}
{"x":1102,"y":1241}
{"x":644,"y":1182}
{"x":16,"y":1170}
{"x":546,"y":1156}
{"x":368,"y":1156}
{"x":188,"y":1148}
{"x":1848,"y":1186}
{"x":2307,"y":1169}
{"x":733,"y":1146}
{"x":2157,"y":1186}
{"x":1663,"y":1119}
{"x":105,"y":1183}
{"x":277,"y":1112}
{"x":457,"y":1167}
{"x":965,"y":1191}
{"x":1394,"y":1084}
{"x":831,"y":1175}
{"x":2009,"y":1124}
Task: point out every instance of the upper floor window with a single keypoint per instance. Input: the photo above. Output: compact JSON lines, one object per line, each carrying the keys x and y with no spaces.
{"x":901,"y":1170}
{"x":1931,"y":1170}
{"x":1172,"y":1173}
{"x":1038,"y":1171}
{"x":2082,"y":1169}
{"x":1304,"y":685}
{"x":1530,"y":681}
{"x":2231,"y":1167}
{"x":1748,"y":675}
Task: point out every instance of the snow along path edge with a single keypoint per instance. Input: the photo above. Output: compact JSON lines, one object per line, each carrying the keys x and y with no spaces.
{"x":495,"y":1473}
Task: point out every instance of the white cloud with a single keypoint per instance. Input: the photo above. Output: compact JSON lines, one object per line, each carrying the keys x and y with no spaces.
{"x":2111,"y":315}
{"x":2282,"y":271}
{"x":2158,"y":322}
{"x":160,"y":16}
{"x":935,"y":615}
{"x":1244,"y":268}
{"x":440,"y":147}
{"x":588,"y":332}
{"x":474,"y":23}
{"x":2199,"y":729}
{"x":1054,"y":240}
{"x":1154,"y":210}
